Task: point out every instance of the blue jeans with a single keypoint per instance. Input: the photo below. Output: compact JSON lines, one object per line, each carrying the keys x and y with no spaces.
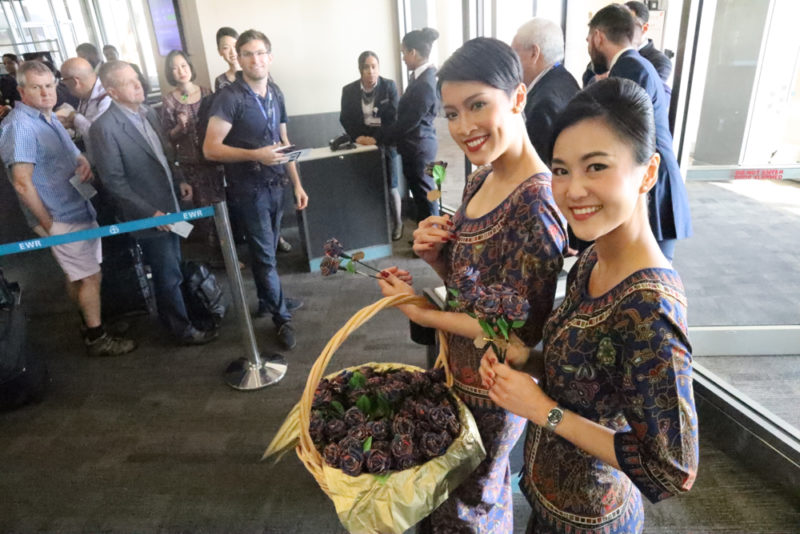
{"x":163,"y":253}
{"x":261,"y":209}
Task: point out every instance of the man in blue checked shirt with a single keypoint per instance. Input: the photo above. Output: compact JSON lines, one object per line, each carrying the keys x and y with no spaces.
{"x":42,"y":159}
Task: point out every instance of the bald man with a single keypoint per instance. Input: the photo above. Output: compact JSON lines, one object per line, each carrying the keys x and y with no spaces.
{"x":83,"y":83}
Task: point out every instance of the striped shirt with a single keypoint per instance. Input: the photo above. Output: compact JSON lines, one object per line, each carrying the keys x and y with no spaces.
{"x":27,"y":137}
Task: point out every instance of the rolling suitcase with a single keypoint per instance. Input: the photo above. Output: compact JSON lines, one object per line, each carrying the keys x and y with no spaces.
{"x":126,"y":288}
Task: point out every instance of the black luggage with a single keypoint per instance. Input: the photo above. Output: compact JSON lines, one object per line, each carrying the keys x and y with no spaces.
{"x":126,"y":288}
{"x":203,"y":296}
{"x":23,"y":374}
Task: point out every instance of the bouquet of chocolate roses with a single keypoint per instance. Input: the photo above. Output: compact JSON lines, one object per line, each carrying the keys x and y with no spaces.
{"x":376,"y":422}
{"x":498,"y":308}
{"x":387,"y":442}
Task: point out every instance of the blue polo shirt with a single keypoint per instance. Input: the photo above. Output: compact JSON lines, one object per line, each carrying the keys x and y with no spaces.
{"x":255,"y":122}
{"x":27,"y":137}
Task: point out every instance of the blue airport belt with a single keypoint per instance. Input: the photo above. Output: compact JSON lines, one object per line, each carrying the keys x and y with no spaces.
{"x":104,"y":231}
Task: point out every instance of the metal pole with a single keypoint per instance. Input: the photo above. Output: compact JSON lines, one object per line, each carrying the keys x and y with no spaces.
{"x":253,"y":371}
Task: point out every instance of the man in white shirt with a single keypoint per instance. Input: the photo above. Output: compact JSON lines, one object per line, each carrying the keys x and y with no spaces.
{"x":83,"y":83}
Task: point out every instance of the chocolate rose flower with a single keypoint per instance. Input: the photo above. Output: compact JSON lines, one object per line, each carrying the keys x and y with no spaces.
{"x":433,"y":444}
{"x":379,"y":430}
{"x":402,"y":425}
{"x":402,"y":446}
{"x":322,"y":398}
{"x":354,"y":417}
{"x":316,"y":428}
{"x":349,"y":442}
{"x":335,"y":429}
{"x":331,"y":454}
{"x":360,"y":432}
{"x":487,"y":306}
{"x":436,"y":375}
{"x":406,"y":462}
{"x":329,"y":265}
{"x":377,"y":461}
{"x":351,"y":462}
{"x":381,"y":445}
{"x":333,"y":248}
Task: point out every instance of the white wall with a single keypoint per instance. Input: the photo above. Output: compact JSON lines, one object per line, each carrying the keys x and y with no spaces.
{"x":315,"y":43}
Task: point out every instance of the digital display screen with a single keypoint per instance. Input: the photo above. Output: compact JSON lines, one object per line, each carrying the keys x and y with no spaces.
{"x":165,"y":24}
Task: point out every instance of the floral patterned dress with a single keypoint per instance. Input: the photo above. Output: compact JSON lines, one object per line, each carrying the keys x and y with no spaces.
{"x":622,"y":360}
{"x":206,"y":179}
{"x":519,"y":244}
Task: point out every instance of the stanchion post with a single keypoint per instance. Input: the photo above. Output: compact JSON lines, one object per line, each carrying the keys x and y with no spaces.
{"x":253,"y":371}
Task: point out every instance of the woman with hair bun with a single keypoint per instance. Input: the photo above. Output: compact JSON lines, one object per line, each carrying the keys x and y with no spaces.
{"x":612,"y":416}
{"x":414,"y":133}
{"x":507,"y":231}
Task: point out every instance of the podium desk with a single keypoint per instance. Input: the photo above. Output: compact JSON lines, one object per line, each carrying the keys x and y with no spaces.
{"x":347,"y":199}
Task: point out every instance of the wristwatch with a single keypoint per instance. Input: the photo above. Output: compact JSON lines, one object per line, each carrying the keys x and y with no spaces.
{"x":554,"y":417}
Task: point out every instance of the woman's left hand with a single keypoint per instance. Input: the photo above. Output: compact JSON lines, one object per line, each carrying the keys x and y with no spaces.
{"x":513,"y":390}
{"x":402,"y":274}
{"x":391,"y":284}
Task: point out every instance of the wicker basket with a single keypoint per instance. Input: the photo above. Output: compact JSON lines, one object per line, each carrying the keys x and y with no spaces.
{"x":355,"y":503}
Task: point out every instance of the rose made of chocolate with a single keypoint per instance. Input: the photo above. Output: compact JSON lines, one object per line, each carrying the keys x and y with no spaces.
{"x":377,"y":461}
{"x":333,"y":247}
{"x":433,"y":444}
{"x":351,"y":462}
{"x":403,"y":446}
{"x":379,"y":430}
{"x":331,"y":454}
{"x":335,"y":429}
{"x":402,"y":425}
{"x":354,"y":417}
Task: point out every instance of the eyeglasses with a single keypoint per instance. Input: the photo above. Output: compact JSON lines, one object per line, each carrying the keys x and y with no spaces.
{"x":257,"y":53}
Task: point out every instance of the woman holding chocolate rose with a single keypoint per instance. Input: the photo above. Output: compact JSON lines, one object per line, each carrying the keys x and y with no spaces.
{"x":501,"y":253}
{"x":613,"y":415}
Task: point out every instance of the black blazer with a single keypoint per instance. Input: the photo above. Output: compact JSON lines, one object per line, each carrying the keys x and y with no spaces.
{"x":8,"y":90}
{"x":659,"y":60}
{"x":414,"y":131}
{"x":352,"y":116}
{"x":668,"y":202}
{"x":546,"y":100}
{"x":130,"y":170}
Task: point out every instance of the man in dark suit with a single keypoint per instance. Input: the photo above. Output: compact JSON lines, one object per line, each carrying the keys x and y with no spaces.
{"x":539,"y":43}
{"x":136,"y":165}
{"x":641,"y":16}
{"x":610,"y":48}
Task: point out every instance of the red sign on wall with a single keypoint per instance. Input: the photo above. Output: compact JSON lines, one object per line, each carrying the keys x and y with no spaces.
{"x":758,"y":174}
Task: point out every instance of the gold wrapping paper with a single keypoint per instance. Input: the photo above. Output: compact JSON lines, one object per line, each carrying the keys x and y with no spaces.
{"x":369,"y":504}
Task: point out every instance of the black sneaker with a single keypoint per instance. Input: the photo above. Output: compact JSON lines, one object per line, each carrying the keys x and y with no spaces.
{"x":292,"y":304}
{"x":283,"y":245}
{"x":286,"y":336}
{"x":107,"y":345}
{"x":200,"y":337}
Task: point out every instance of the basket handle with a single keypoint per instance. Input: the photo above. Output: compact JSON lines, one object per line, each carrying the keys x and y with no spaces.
{"x":318,"y":369}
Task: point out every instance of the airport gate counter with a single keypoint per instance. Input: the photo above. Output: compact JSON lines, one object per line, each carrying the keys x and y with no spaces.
{"x":348,"y":201}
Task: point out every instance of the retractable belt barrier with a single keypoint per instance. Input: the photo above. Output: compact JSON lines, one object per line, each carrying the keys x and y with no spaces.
{"x":105,"y":231}
{"x":244,"y":374}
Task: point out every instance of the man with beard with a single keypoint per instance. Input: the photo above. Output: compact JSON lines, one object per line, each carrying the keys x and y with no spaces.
{"x":610,"y":47}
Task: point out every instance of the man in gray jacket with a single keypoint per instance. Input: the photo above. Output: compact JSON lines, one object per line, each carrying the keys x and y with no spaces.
{"x":137,"y":167}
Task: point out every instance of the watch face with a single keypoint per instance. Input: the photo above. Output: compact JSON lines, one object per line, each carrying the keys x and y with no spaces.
{"x":554,"y":417}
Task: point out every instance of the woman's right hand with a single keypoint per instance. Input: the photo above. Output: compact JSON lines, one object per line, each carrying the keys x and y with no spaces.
{"x":430,"y":236}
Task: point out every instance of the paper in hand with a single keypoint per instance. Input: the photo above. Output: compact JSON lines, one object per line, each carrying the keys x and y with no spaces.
{"x":86,"y":190}
{"x":182,"y":228}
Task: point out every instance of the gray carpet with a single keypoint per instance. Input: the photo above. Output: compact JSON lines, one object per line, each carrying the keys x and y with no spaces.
{"x":155,"y":442}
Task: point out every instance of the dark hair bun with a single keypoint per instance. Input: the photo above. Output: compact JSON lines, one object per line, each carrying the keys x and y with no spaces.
{"x":429,"y":34}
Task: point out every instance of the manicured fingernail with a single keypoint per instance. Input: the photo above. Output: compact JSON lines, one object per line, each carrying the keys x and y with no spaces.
{"x":450,"y":223}
{"x":385,"y":274}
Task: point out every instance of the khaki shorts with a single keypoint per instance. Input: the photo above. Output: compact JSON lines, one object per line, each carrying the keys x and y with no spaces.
{"x":80,"y":259}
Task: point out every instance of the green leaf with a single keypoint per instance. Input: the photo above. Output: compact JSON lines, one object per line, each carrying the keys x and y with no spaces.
{"x":517,"y":324}
{"x":383,"y":478}
{"x":364,"y":404}
{"x":486,"y":328}
{"x":368,"y":444}
{"x":337,"y":406}
{"x":350,"y":267}
{"x":453,"y":291}
{"x":357,"y":381}
{"x":384,"y":408}
{"x":503,"y":325}
{"x":453,"y":304}
{"x":438,"y":174}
